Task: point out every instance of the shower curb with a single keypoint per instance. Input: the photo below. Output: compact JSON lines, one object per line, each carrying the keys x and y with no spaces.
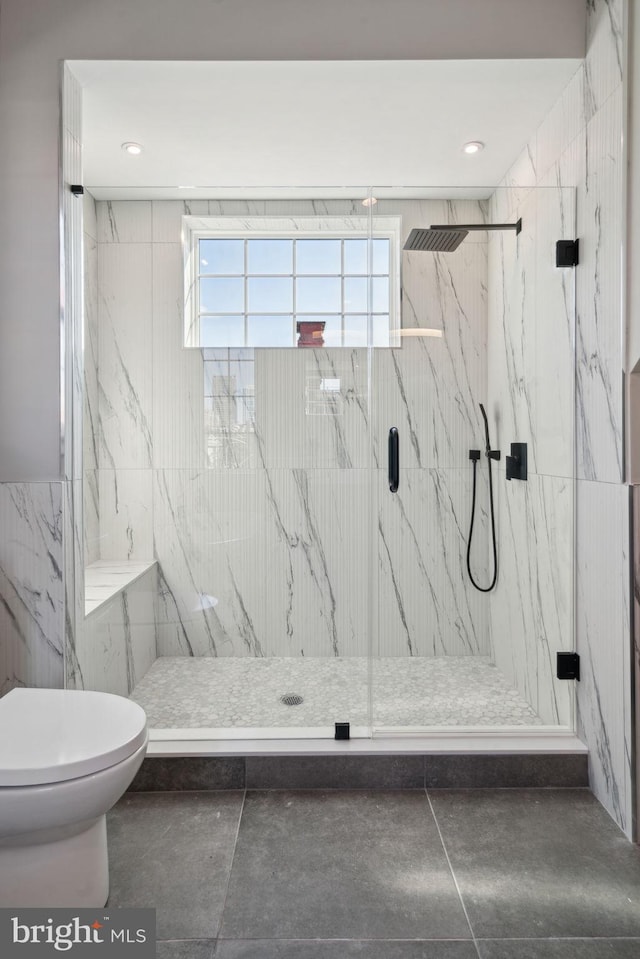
{"x":454,"y":771}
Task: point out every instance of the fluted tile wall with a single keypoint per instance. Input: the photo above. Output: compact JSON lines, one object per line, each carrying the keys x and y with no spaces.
{"x":263,"y":534}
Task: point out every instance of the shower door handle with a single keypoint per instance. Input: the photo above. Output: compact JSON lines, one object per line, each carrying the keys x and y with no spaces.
{"x":394,"y":459}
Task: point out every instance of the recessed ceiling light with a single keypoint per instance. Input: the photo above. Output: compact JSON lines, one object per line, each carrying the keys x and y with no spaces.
{"x":134,"y":149}
{"x":369,"y":201}
{"x":474,"y":146}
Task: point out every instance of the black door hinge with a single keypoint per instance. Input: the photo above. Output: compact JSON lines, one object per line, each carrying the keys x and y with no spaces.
{"x":568,"y":666}
{"x":567,"y":252}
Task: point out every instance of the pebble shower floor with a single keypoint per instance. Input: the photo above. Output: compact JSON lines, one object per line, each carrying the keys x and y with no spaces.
{"x":186,"y":692}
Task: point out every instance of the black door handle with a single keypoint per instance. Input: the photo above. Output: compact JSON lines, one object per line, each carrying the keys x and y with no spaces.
{"x":394,"y":459}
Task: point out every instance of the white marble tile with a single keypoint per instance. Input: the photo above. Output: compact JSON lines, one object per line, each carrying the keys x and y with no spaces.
{"x":561,"y":125}
{"x":604,"y":63}
{"x":89,"y":357}
{"x":599,"y":327}
{"x":89,"y":216}
{"x":210,"y":546}
{"x":603,"y":642}
{"x":124,"y":221}
{"x":425,"y":604}
{"x":91,"y":516}
{"x":179,"y":438}
{"x":125,"y":351}
{"x":318,"y":540}
{"x":532,"y":607}
{"x":116,"y":642}
{"x":31,"y":585}
{"x":167,"y":217}
{"x":430,"y":388}
{"x":126,"y":514}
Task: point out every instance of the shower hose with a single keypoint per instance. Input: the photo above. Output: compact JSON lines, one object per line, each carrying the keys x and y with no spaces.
{"x":483,"y":589}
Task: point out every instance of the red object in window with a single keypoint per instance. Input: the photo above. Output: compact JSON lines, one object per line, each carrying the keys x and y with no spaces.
{"x":310,"y":332}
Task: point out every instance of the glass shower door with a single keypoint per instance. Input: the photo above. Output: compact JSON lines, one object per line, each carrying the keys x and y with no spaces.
{"x":489,"y":323}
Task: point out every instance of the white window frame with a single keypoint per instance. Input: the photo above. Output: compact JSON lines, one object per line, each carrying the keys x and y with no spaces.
{"x":195,"y":228}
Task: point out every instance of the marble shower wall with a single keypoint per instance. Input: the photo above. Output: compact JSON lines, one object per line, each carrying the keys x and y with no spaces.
{"x":256,"y":503}
{"x":580,"y":145}
{"x":531,"y":400}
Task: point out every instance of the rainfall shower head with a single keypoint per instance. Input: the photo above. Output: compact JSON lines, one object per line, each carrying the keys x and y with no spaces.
{"x":446,"y":239}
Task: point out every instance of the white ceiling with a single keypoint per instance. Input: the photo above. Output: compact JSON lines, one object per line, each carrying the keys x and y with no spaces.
{"x":249,"y":128}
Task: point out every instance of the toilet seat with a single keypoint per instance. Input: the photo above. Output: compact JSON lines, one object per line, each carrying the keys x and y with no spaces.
{"x":52,"y":735}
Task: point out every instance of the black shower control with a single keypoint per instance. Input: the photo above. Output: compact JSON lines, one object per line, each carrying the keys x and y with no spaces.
{"x":474,"y":455}
{"x":493,"y":454}
{"x":517,"y":463}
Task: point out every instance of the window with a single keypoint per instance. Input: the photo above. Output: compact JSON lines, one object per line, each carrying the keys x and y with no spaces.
{"x":290,"y":282}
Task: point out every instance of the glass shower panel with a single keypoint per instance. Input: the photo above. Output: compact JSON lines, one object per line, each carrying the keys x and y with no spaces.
{"x":491,"y":323}
{"x":265,"y":547}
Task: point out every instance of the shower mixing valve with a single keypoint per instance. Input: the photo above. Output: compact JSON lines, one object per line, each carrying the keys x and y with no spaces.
{"x":517,"y":463}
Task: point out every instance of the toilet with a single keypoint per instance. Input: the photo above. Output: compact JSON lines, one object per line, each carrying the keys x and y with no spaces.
{"x":66,"y":757}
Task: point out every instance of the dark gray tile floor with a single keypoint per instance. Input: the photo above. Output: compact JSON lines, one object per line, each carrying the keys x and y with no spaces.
{"x":409,"y":874}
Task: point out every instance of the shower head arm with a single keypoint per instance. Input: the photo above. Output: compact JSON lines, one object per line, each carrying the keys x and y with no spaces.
{"x":479,"y":226}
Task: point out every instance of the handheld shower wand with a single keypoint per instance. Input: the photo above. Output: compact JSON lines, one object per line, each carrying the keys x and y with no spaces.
{"x":474,"y":456}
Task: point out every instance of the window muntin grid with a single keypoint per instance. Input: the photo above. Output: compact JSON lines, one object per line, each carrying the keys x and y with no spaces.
{"x":253,"y":291}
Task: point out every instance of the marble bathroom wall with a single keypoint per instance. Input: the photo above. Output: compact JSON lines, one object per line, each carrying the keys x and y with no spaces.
{"x":250,"y":485}
{"x":580,"y":144}
{"x":31,"y":585}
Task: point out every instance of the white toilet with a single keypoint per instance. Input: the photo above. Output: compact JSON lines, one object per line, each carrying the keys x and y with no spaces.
{"x":66,"y":757}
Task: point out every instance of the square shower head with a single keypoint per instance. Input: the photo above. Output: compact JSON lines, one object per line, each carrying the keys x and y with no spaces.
{"x":435,"y":240}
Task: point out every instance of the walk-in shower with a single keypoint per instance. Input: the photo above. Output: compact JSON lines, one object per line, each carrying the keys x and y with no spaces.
{"x":299,"y":570}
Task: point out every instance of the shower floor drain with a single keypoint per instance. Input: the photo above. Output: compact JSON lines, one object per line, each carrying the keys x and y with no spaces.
{"x":291,"y":699}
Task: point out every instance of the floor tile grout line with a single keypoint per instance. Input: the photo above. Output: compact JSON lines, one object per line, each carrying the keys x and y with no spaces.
{"x":453,"y":875}
{"x":233,"y":856}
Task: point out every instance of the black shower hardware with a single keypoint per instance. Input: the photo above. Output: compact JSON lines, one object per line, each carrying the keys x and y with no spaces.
{"x":394,"y":459}
{"x":474,"y":456}
{"x":516,"y":464}
{"x":446,"y":239}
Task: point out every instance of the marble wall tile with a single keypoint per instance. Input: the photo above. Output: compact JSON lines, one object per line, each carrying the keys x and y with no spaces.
{"x":603,"y":642}
{"x":311,"y":409}
{"x":305,"y":527}
{"x":430,"y":387}
{"x":89,"y":216}
{"x":531,"y":611}
{"x":124,"y":221}
{"x":531,"y":334}
{"x":179,"y":437}
{"x":634,"y":686}
{"x":31,"y":585}
{"x":209,"y":533}
{"x":126,"y":527}
{"x":599,"y":331}
{"x":561,"y":125}
{"x":91,"y":516}
{"x":126,"y":367}
{"x":116,"y":644}
{"x":604,"y":63}
{"x":425,"y":604}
